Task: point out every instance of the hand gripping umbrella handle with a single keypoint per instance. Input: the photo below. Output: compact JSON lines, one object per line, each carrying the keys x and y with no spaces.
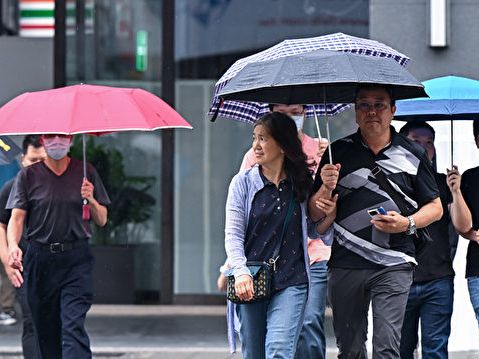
{"x":85,"y":212}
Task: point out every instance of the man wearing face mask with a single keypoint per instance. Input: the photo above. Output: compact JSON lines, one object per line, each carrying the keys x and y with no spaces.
{"x":312,"y":340}
{"x":58,"y":265}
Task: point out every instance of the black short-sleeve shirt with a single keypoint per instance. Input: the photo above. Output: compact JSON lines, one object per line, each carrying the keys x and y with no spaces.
{"x":357,"y":244}
{"x":435,"y":261}
{"x":4,"y":193}
{"x":53,"y":203}
{"x":470,"y":191}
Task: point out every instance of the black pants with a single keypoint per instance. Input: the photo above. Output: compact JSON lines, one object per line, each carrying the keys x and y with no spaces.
{"x":60,"y":293}
{"x":350,"y":292}
{"x":29,"y":340}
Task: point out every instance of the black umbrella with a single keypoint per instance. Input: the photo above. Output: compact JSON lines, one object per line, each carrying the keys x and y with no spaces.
{"x":319,"y":76}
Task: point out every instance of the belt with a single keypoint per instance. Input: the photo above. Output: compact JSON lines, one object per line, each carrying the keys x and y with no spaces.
{"x":59,"y":247}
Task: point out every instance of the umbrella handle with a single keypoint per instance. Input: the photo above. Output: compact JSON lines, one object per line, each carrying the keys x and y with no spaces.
{"x":328,"y":135}
{"x":85,"y":211}
{"x":316,"y":121}
{"x":329,"y":141}
{"x":85,"y":214}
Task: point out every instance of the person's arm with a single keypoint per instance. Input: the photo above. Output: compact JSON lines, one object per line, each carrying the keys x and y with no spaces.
{"x":98,"y":212}
{"x":235,"y":228}
{"x":14,"y":234}
{"x":14,"y":275}
{"x":328,"y":206}
{"x":460,"y":214}
{"x":3,"y":244}
{"x":394,"y":222}
{"x":329,"y":175}
{"x":472,"y":235}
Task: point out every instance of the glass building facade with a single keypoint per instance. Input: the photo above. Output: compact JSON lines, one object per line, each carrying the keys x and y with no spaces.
{"x":121,"y":43}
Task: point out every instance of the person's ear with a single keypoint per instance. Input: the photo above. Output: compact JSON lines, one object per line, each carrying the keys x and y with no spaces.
{"x":393,"y":109}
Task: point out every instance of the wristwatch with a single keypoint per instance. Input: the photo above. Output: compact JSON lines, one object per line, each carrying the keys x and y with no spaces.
{"x":411,"y":228}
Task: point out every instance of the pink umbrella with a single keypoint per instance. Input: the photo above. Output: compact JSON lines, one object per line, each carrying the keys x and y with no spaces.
{"x":87,"y":109}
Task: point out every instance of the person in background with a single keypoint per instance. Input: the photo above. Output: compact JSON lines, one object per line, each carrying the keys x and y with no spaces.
{"x":32,"y":152}
{"x":312,"y":339}
{"x":469,"y":187}
{"x":8,"y":170}
{"x":46,"y":200}
{"x":256,"y":210}
{"x":432,"y":291}
{"x":372,"y":258}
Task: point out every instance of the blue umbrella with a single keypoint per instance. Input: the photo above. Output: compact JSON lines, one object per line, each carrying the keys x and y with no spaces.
{"x":450,"y":98}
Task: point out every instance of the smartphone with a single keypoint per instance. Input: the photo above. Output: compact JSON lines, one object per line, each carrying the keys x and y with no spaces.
{"x":373,"y":212}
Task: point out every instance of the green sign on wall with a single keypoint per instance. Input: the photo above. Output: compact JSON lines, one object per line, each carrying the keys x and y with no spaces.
{"x":141,"y":62}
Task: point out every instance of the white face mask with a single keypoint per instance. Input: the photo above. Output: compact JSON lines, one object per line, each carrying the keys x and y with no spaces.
{"x":57,"y":147}
{"x":299,"y":120}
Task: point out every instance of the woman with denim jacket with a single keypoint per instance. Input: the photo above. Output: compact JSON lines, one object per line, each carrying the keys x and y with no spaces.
{"x":256,"y":208}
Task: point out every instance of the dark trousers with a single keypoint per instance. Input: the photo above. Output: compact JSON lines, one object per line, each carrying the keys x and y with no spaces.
{"x":60,"y":292}
{"x":29,"y":340}
{"x":432,"y":302}
{"x":350,"y":292}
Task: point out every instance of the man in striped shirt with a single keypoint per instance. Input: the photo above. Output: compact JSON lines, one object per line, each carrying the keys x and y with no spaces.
{"x":372,"y":258}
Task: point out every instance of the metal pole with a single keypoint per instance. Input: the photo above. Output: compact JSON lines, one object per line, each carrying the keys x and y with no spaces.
{"x":452,"y":143}
{"x":167,"y":148}
{"x":59,"y":48}
{"x":80,"y":40}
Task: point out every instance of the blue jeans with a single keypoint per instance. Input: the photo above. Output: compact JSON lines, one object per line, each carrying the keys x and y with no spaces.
{"x":432,"y":302}
{"x":312,"y":341}
{"x":473,"y":286}
{"x":270,"y":329}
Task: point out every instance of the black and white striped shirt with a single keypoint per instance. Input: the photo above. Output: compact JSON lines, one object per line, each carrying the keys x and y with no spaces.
{"x":357,"y":244}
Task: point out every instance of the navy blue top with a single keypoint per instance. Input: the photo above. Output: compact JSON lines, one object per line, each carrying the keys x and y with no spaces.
{"x":265,"y":226}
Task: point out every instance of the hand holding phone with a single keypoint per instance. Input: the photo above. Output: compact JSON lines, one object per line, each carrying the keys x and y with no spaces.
{"x":373,"y":212}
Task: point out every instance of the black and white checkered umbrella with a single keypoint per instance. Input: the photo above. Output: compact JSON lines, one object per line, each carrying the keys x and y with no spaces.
{"x":249,"y":111}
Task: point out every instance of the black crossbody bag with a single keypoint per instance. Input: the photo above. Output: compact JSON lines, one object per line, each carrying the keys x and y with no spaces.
{"x":422,"y":237}
{"x":262,"y":272}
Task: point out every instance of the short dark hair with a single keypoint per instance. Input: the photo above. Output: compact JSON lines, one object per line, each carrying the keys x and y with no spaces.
{"x":372,"y":87}
{"x":475,"y":128}
{"x":415,"y":124}
{"x":30,"y":140}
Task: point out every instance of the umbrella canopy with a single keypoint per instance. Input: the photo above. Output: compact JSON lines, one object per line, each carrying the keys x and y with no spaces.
{"x":87,"y":109}
{"x":251,"y":111}
{"x":8,"y":150}
{"x":450,"y":98}
{"x":319,"y":76}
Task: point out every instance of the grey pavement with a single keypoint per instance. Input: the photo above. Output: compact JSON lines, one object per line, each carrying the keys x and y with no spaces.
{"x":157,"y":332}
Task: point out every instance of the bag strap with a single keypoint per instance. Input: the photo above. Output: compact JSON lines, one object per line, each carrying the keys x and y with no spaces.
{"x":277,"y":248}
{"x":381,"y":179}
